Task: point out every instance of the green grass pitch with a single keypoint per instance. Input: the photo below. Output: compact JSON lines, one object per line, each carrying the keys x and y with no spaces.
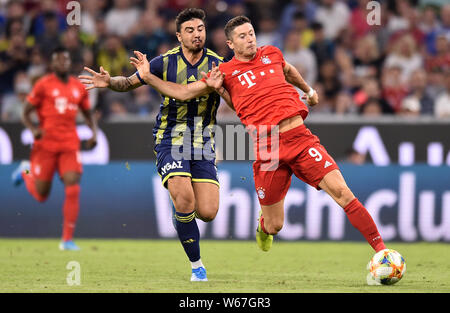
{"x":36,"y":265}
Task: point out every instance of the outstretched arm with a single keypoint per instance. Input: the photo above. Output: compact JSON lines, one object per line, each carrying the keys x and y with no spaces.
{"x":173,"y":90}
{"x":104,"y":80}
{"x":293,"y":77}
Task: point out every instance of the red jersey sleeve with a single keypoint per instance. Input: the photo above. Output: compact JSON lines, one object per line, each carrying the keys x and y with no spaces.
{"x":36,"y":96}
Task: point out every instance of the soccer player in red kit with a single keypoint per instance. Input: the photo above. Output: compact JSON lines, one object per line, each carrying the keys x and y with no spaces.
{"x":261,"y":87}
{"x":57,"y":98}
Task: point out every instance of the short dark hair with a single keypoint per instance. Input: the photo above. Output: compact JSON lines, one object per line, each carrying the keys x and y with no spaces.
{"x":59,"y":49}
{"x":235,"y":22}
{"x":189,"y":14}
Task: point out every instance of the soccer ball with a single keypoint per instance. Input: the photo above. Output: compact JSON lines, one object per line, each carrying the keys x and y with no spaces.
{"x":386,"y":267}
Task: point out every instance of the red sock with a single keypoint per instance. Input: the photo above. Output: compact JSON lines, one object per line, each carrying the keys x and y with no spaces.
{"x":261,"y":222}
{"x":30,"y":183}
{"x":362,"y":221}
{"x":70,"y":211}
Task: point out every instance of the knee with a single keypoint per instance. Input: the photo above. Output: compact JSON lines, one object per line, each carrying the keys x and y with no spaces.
{"x":184,"y":203}
{"x":208,"y":214}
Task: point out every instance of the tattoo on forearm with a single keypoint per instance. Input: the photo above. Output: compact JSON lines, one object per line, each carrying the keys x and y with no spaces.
{"x":121,"y":84}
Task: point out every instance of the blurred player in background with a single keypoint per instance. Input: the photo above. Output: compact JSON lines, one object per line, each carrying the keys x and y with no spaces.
{"x":261,"y":86}
{"x":191,"y":178}
{"x":57,"y":97}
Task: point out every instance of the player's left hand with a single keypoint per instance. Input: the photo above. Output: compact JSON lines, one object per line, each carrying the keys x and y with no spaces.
{"x":314,"y":100}
{"x":91,"y":143}
{"x":141,"y":64}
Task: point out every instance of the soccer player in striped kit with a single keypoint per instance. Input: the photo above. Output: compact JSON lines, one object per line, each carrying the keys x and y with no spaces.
{"x":185,"y":159}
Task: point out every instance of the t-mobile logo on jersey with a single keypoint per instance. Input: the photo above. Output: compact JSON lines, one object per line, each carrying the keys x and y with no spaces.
{"x":247,"y":78}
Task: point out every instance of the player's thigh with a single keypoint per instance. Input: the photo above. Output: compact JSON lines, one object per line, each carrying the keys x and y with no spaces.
{"x":273,"y":216}
{"x":70,"y":167}
{"x":334,"y":184}
{"x":271,"y":185}
{"x":181,"y":193}
{"x":206,"y":200}
{"x":43,"y":167}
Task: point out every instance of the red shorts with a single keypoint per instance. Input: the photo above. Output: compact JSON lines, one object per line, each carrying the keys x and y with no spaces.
{"x":44,"y":162}
{"x":299,"y":153}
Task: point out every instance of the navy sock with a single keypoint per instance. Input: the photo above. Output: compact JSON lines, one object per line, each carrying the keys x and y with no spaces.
{"x":188,"y":234}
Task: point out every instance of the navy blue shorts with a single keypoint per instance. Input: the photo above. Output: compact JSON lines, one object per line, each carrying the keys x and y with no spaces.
{"x":203,"y":170}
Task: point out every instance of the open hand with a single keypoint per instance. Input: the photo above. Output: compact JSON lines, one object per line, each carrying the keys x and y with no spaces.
{"x":141,"y":64}
{"x":97,"y":80}
{"x":216,"y":77}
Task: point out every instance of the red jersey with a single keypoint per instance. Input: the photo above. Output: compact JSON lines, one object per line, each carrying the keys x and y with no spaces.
{"x":57,"y":106}
{"x":259,"y":90}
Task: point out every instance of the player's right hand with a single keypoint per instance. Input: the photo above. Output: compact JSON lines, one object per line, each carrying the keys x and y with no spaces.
{"x":37,"y":133}
{"x":215,"y":77}
{"x":97,"y":80}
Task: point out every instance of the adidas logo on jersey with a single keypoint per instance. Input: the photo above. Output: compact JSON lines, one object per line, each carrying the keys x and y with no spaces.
{"x":235,"y":72}
{"x":192,"y":79}
{"x":327,"y":164}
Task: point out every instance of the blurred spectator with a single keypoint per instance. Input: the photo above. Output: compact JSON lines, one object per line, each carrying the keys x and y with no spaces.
{"x":442,"y":104}
{"x":441,"y":59}
{"x":267,"y":34}
{"x":345,"y":104}
{"x":89,"y":14}
{"x":372,"y":107}
{"x":151,"y":34}
{"x":307,"y":7}
{"x":321,"y":47}
{"x":334,"y":16}
{"x":218,"y":44}
{"x":328,"y":77}
{"x":301,"y":25}
{"x":114,"y":58}
{"x":419,"y":100}
{"x":371,"y":92}
{"x":146,"y":103}
{"x":301,"y":58}
{"x":122,"y":18}
{"x":358,"y":19}
{"x":13,"y":105}
{"x":15,"y":59}
{"x":41,"y":22}
{"x":49,"y":39}
{"x":443,"y":29}
{"x":38,"y":66}
{"x":71,"y":41}
{"x":367,"y":59}
{"x":405,"y":56}
{"x":393,"y":89}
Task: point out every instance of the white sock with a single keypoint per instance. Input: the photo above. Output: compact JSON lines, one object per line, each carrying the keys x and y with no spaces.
{"x":197,"y":264}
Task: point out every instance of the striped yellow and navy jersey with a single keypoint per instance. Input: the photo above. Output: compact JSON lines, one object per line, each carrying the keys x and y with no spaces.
{"x":196,"y":117}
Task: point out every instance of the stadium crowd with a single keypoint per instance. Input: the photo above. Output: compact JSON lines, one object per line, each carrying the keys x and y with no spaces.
{"x":400,"y":65}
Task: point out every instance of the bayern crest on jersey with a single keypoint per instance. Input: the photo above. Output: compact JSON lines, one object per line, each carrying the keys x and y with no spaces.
{"x":261,"y":192}
{"x":265,"y":59}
